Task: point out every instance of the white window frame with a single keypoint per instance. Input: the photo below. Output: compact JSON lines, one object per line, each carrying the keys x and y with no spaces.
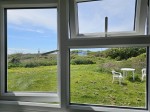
{"x":140,"y":17}
{"x":127,"y":39}
{"x":16,"y":103}
{"x":22,"y":96}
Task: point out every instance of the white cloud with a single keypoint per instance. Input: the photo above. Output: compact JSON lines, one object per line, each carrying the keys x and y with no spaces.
{"x":17,"y":50}
{"x":45,"y":18}
{"x":120,"y":15}
{"x":25,"y":51}
{"x":27,"y":39}
{"x":27,"y":29}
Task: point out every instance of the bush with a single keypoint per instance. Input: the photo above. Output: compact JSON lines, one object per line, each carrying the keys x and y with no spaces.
{"x":81,"y":60}
{"x":123,"y":53}
{"x":31,"y":64}
{"x":42,"y":62}
{"x":109,"y":65}
{"x":137,"y":63}
{"x":10,"y":65}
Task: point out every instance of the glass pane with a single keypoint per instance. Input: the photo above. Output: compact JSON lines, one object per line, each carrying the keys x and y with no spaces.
{"x":32,"y":50}
{"x":108,"y":76}
{"x":92,"y":14}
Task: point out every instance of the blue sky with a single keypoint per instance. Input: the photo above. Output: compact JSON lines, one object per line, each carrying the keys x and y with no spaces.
{"x":30,"y":30}
{"x":120,"y":15}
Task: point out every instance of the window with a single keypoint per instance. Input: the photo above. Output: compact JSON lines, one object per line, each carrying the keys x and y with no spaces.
{"x":119,"y":14}
{"x":105,"y":18}
{"x":31,"y":54}
{"x":108,"y":76}
{"x":30,"y":68}
{"x":88,"y":57}
{"x":74,"y":50}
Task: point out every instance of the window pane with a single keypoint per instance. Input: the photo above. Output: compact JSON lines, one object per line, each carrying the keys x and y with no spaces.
{"x":108,"y":76}
{"x":92,"y":14}
{"x":32,"y":50}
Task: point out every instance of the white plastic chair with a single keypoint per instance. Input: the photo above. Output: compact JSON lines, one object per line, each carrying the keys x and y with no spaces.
{"x":143,"y":73}
{"x":117,"y":75}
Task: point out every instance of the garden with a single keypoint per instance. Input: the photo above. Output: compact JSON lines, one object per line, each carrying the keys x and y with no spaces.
{"x":90,"y":76}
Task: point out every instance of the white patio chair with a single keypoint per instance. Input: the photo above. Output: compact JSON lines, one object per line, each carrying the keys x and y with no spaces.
{"x":117,"y":75}
{"x":143,"y":73}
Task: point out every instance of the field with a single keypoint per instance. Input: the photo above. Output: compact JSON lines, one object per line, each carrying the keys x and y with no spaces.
{"x":41,"y":78}
{"x":87,"y":85}
{"x":91,"y":87}
{"x":90,"y":77}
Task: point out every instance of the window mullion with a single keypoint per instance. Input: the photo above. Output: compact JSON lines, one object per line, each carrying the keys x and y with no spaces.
{"x":73,"y":18}
{"x":141,"y":14}
{"x":64,"y":52}
{"x":2,"y":50}
{"x":148,"y":58}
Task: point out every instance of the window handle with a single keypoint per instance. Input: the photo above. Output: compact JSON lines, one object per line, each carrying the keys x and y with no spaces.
{"x":106,"y":26}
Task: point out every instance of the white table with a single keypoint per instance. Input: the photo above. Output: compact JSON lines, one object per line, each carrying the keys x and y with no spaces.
{"x":125,"y":70}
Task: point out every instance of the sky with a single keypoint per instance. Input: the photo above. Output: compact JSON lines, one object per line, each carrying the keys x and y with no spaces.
{"x":30,"y":30}
{"x":120,"y":15}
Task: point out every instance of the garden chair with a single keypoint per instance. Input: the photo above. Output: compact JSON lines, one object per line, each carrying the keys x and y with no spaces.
{"x":143,"y":73}
{"x":117,"y":75}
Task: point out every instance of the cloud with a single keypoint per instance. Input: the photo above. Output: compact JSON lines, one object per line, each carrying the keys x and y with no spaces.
{"x":25,"y":39}
{"x":17,"y":50}
{"x":25,"y":51}
{"x":120,"y":15}
{"x":27,"y":29}
{"x":40,"y":18}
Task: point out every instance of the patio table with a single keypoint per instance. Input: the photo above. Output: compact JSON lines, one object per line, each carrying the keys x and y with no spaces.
{"x":125,"y":70}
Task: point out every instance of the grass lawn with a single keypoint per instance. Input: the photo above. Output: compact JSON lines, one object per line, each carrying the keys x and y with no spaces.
{"x":41,"y":78}
{"x":87,"y":85}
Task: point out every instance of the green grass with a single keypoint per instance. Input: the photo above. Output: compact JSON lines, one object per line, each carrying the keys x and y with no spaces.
{"x":87,"y":85}
{"x":32,"y":79}
{"x":91,"y":87}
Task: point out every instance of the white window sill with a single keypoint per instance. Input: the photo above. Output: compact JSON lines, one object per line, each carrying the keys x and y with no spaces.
{"x":30,"y":94}
{"x":18,"y":106}
{"x":105,"y":109}
{"x":30,"y":104}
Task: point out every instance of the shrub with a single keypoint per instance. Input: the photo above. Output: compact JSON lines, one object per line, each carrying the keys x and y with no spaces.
{"x":41,"y":62}
{"x":82,"y":60}
{"x":10,"y":65}
{"x":137,"y":63}
{"x":123,"y":53}
{"x":31,"y":64}
{"x":108,"y":66}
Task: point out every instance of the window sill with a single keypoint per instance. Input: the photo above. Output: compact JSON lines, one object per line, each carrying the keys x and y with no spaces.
{"x":18,"y":106}
{"x":29,"y":104}
{"x":105,"y":109}
{"x":30,"y":97}
{"x":30,"y":94}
